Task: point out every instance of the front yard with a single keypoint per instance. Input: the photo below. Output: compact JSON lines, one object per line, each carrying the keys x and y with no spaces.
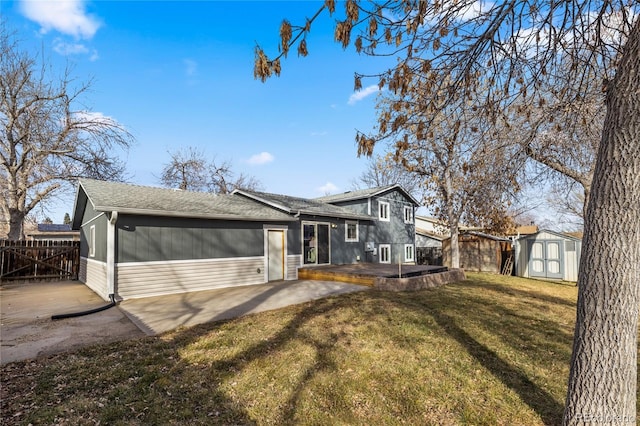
{"x":490,"y":350}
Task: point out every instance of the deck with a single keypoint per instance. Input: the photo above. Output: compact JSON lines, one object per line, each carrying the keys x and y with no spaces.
{"x":364,"y":273}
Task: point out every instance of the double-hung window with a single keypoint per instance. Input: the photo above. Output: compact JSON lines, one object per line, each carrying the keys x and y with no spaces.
{"x":385,"y":253}
{"x":351,"y":231}
{"x":408,"y":253}
{"x":383,"y":211}
{"x":408,"y":214}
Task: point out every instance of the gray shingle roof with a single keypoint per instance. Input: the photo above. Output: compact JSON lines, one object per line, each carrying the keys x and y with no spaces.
{"x":295,"y":205}
{"x":136,"y":199}
{"x":360,"y":194}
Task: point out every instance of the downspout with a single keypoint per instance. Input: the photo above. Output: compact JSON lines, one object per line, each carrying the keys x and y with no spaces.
{"x":111,"y":226}
{"x":111,"y":255}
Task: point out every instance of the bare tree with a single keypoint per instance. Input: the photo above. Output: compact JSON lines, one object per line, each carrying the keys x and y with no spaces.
{"x":457,"y":162}
{"x":498,"y":53}
{"x":189,"y":169}
{"x":47,"y":139}
{"x":383,"y":171}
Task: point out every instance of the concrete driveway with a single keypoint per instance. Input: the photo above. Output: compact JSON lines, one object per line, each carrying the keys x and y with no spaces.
{"x":27,"y":331}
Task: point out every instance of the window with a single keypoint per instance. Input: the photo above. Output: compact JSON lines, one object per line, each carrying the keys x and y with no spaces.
{"x":408,"y":214}
{"x":408,"y":253}
{"x":383,"y":211}
{"x":92,"y":241}
{"x":385,"y":253}
{"x":351,"y":231}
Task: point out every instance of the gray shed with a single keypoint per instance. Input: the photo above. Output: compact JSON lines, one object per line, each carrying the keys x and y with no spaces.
{"x":548,"y":254}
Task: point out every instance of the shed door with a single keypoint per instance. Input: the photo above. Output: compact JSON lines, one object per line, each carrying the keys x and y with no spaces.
{"x":276,"y":255}
{"x":545,"y":259}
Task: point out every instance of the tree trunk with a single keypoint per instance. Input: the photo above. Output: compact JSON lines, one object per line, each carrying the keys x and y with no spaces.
{"x":455,"y":246}
{"x":603,"y":377}
{"x":16,"y":225}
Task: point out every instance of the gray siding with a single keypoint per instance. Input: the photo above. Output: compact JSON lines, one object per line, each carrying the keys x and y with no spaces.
{"x":395,"y":232}
{"x":90,"y":217}
{"x":148,"y":238}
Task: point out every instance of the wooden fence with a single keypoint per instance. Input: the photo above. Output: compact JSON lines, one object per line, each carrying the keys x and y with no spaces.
{"x":39,"y":260}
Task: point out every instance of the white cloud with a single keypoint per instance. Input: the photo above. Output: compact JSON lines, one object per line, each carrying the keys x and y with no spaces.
{"x":328,"y":188}
{"x":66,"y":16}
{"x":323,"y":133}
{"x":363,"y":93}
{"x":262,"y":158}
{"x":474,"y":10}
{"x":96,"y":119}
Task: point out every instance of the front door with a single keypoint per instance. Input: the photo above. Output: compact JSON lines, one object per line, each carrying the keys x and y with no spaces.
{"x":545,"y":259}
{"x":275,"y":255}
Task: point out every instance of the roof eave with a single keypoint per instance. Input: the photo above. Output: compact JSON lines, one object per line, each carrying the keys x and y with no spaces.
{"x":189,"y":215}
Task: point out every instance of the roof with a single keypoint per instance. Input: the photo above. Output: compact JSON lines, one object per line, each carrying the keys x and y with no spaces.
{"x":361,"y":194}
{"x":484,"y":235}
{"x":145,"y":200}
{"x":527,"y":229}
{"x":430,"y":234}
{"x":548,"y":231}
{"x":298,"y":205}
{"x":54,"y":227}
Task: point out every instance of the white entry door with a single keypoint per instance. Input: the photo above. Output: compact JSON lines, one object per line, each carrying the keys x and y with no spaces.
{"x":275,"y":255}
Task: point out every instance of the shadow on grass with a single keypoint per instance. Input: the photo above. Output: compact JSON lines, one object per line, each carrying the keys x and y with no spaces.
{"x":541,"y":401}
{"x":151,"y":379}
{"x":529,"y":294}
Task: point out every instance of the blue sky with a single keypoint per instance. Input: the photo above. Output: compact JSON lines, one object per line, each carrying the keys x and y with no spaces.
{"x":181,"y":74}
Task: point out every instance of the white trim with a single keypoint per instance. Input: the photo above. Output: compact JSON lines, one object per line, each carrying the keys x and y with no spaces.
{"x":346,"y":231}
{"x":165,"y":262}
{"x":275,"y":227}
{"x":92,"y":219}
{"x":380,"y":248}
{"x":387,"y":210}
{"x":111,"y":255}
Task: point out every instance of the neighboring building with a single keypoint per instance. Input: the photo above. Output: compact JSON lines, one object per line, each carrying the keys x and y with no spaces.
{"x":548,"y":254}
{"x":53,"y":232}
{"x":524,"y":230}
{"x":432,"y":226}
{"x":479,"y":252}
{"x":141,"y":241}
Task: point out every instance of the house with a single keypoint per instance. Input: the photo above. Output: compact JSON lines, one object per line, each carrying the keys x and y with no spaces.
{"x":139,"y":241}
{"x":548,"y":254}
{"x":53,"y":232}
{"x":479,"y":252}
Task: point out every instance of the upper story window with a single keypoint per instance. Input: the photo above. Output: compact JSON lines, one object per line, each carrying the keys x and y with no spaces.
{"x":383,"y":211}
{"x":351,"y":231}
{"x":408,"y":214}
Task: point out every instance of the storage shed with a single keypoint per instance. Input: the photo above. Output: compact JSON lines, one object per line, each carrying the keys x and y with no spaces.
{"x":548,"y":254}
{"x":479,"y":252}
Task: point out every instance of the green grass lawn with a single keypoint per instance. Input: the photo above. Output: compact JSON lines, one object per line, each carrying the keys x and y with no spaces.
{"x":490,"y":350}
